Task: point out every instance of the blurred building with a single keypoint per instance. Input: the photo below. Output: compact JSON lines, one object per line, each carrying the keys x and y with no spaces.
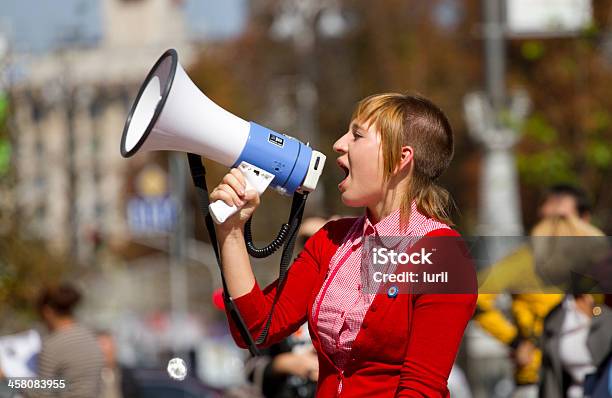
{"x":69,"y":111}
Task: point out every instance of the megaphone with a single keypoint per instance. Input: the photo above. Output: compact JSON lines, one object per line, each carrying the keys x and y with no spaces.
{"x":170,"y":113}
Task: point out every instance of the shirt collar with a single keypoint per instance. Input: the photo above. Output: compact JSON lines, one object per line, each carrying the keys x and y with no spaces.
{"x":388,"y":226}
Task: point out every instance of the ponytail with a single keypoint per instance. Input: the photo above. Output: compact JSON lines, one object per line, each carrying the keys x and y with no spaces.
{"x":430,"y":199}
{"x":435,"y":202}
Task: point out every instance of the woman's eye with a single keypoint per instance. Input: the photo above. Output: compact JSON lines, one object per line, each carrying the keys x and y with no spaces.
{"x":356,"y":136}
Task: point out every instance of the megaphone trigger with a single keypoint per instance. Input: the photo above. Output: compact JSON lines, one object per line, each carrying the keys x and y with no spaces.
{"x":255,"y":177}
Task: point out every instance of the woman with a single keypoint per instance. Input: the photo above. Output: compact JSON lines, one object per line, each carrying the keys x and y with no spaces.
{"x":382,"y":345}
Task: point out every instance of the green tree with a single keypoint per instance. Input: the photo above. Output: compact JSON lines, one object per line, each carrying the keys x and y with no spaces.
{"x":409,"y":46}
{"x":25,"y":267}
{"x":568,"y":137}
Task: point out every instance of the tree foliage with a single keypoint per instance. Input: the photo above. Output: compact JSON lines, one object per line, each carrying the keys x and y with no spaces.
{"x":568,"y":137}
{"x":25,"y":267}
{"x":435,"y":48}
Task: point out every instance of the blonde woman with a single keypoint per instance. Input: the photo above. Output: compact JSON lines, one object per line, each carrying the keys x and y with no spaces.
{"x":368,"y":345}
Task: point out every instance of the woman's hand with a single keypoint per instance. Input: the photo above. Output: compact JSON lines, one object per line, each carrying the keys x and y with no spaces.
{"x":232,"y":190}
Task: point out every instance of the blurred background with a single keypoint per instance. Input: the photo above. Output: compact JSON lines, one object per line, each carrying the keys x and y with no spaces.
{"x":526,"y":85}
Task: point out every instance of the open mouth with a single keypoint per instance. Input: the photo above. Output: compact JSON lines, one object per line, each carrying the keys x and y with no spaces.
{"x":345,"y":169}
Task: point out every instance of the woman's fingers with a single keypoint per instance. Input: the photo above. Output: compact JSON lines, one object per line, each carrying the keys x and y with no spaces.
{"x":232,"y":191}
{"x":227,"y":194}
{"x":236,"y":180}
{"x":239,"y":177}
{"x":251,"y":196}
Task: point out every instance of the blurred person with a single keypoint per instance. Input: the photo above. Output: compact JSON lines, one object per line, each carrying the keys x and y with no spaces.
{"x":382,"y":345}
{"x":117,"y":381}
{"x":70,"y":352}
{"x":576,"y":344}
{"x":517,"y":274}
{"x":458,"y":384}
{"x":565,"y":200}
{"x":288,"y":369}
{"x":577,"y":337}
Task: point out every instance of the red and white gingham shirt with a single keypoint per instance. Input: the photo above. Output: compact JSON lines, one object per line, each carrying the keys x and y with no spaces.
{"x":341,"y":304}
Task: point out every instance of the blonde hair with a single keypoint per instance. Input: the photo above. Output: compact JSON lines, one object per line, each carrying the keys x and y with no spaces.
{"x":565,"y":245}
{"x":415,"y":121}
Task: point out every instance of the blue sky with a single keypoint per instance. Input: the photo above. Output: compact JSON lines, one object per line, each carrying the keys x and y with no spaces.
{"x":40,"y":25}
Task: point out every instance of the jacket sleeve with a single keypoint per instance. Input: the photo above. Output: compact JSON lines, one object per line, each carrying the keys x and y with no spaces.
{"x":437,"y":324}
{"x":491,"y":319}
{"x":511,"y":272}
{"x":292,"y":306}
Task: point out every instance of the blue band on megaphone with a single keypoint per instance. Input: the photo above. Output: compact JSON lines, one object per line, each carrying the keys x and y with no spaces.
{"x":285,"y":157}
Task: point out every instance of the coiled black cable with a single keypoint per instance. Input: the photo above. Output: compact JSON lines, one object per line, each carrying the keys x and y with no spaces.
{"x":286,"y":230}
{"x":269,"y":249}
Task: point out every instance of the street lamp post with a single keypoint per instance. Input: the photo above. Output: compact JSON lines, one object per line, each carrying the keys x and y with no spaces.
{"x":300,"y":21}
{"x":494,"y":122}
{"x":495,"y":58}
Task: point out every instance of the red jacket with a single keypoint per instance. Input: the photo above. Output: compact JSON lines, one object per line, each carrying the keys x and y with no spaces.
{"x":405,"y":348}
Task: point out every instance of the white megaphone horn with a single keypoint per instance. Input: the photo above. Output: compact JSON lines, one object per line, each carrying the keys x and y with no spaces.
{"x":171,"y":114}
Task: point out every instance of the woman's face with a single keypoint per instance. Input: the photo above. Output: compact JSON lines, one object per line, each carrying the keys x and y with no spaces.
{"x":362,"y":161}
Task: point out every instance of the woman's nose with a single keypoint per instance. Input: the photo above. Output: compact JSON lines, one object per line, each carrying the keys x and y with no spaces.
{"x":340,"y":146}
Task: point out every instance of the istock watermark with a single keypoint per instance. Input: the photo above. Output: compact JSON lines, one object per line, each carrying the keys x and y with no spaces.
{"x":417,"y":265}
{"x":411,"y":277}
{"x":382,"y":255}
{"x":465,"y":265}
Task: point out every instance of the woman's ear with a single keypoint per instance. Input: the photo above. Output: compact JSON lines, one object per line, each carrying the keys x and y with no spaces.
{"x":406,"y":157}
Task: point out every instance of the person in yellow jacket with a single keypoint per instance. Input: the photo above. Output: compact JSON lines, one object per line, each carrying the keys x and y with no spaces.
{"x":532,"y":298}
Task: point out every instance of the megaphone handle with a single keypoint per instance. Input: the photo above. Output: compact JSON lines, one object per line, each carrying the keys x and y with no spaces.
{"x":256,"y":178}
{"x":220,"y":211}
